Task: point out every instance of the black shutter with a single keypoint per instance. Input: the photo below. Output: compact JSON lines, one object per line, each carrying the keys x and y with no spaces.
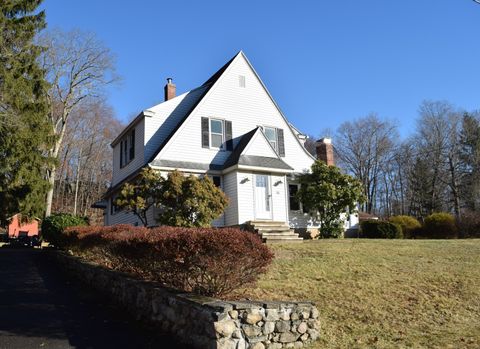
{"x":228,"y":135}
{"x":132,"y":145}
{"x":121,"y":154}
{"x":281,"y":142}
{"x":205,"y":133}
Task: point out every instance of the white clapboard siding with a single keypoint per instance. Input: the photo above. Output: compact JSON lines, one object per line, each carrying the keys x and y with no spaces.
{"x":259,"y":146}
{"x":279,"y":203}
{"x":246,"y":206}
{"x":247,"y":107}
{"x":124,"y":217}
{"x":230,"y":188}
{"x":138,"y":161}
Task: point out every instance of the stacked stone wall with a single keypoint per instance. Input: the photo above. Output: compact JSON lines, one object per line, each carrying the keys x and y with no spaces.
{"x":202,"y":322}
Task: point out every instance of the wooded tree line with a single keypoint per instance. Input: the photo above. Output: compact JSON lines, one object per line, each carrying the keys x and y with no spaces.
{"x":55,"y":126}
{"x":436,"y":168}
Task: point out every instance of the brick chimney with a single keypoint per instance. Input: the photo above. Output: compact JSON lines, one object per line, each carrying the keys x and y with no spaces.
{"x":170,"y":89}
{"x":324,"y":149}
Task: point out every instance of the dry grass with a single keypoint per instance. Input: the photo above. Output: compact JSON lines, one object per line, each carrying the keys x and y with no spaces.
{"x":383,"y":293}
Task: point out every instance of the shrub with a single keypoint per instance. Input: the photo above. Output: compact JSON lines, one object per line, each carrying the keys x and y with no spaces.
{"x":468,"y":225}
{"x":205,"y":261}
{"x":439,"y":226}
{"x":408,"y":224}
{"x":374,"y":229}
{"x":54,"y":225}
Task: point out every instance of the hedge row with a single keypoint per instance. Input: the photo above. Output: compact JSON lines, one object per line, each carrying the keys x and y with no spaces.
{"x":435,"y":226}
{"x":206,"y":261}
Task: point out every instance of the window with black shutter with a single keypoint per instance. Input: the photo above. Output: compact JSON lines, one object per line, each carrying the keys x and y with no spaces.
{"x":217,"y":134}
{"x":271,"y":134}
{"x":127,"y":149}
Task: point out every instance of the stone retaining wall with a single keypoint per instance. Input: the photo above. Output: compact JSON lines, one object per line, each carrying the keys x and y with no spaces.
{"x":203,"y":322}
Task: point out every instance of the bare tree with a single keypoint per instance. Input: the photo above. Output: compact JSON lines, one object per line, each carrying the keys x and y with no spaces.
{"x":363,"y":147}
{"x":78,"y":66}
{"x":85,"y":170}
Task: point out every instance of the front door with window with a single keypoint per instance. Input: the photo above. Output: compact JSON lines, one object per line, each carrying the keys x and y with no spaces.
{"x":263,"y":202}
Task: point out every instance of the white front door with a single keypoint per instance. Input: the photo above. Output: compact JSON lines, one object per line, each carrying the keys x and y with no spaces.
{"x":263,"y":202}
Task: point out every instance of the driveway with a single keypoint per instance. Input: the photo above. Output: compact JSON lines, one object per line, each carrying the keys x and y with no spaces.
{"x":40,"y":307}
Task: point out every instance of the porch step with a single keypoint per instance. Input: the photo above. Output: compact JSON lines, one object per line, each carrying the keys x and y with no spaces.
{"x":271,"y":231}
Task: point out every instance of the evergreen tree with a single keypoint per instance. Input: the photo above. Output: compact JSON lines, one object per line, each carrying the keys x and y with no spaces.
{"x":470,"y":161}
{"x":24,"y":132}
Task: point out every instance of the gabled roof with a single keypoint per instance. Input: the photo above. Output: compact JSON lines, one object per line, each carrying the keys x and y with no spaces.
{"x":208,"y":84}
{"x":240,"y":157}
{"x":242,"y":144}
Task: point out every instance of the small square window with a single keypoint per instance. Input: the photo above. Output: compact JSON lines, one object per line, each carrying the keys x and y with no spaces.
{"x":241,"y":80}
{"x":217,"y":181}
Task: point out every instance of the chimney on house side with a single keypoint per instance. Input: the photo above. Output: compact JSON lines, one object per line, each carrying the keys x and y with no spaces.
{"x":170,"y":89}
{"x":324,"y":149}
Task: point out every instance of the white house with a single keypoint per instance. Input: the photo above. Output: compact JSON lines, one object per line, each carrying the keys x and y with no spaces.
{"x":229,"y":128}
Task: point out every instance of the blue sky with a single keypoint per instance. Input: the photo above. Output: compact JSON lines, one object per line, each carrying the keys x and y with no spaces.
{"x":325,"y":62}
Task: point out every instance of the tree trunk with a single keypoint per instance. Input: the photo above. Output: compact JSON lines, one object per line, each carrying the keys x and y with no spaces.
{"x":454,"y":187}
{"x":76,"y":183}
{"x":51,"y":182}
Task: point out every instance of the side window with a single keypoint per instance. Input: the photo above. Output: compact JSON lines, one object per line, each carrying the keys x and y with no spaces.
{"x":292,"y":192}
{"x":127,"y":149}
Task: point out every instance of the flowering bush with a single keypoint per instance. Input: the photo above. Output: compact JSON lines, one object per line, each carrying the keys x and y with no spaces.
{"x":205,"y":261}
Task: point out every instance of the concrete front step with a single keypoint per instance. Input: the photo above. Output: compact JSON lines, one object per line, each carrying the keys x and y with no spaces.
{"x":267,"y":223}
{"x":272,"y":231}
{"x":275,"y":230}
{"x":280,"y":236}
{"x":279,"y":241}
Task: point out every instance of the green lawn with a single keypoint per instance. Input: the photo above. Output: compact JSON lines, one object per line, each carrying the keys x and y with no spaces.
{"x":382,"y":293}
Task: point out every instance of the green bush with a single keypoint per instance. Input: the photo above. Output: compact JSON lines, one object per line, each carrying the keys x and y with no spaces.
{"x":408,"y":224}
{"x":54,"y":225}
{"x":439,"y":226}
{"x":374,"y":229}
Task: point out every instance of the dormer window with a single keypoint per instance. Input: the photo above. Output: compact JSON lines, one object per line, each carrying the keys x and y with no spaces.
{"x":127,"y":148}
